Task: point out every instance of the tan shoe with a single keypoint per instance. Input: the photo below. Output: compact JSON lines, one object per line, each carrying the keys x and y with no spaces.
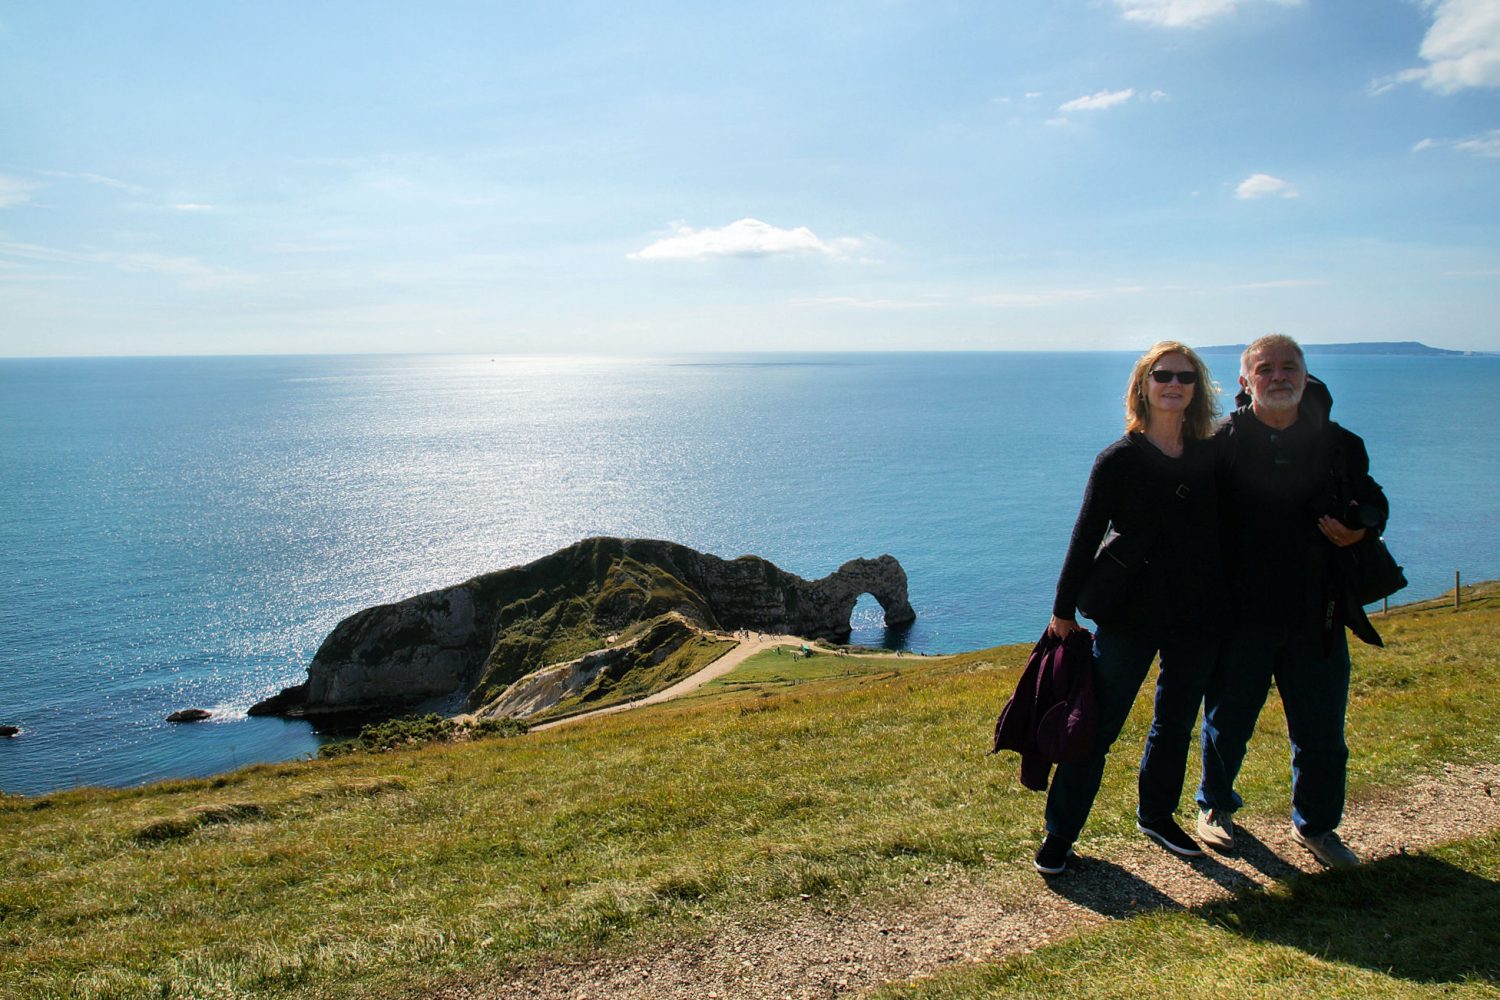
{"x":1216,"y":829}
{"x":1327,"y":848}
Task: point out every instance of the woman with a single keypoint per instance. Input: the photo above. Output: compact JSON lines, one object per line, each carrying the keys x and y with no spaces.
{"x":1155,"y":488}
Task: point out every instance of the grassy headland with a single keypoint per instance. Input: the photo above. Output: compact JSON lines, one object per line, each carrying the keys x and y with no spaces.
{"x":371,"y":873}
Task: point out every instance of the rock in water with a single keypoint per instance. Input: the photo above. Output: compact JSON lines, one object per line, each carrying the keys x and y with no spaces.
{"x":190,"y":715}
{"x":6,"y":732}
{"x":477,"y":637}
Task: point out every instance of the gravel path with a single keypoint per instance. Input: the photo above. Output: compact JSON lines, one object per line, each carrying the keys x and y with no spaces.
{"x":825,"y":952}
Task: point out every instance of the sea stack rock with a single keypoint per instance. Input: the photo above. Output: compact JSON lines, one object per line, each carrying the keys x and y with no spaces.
{"x":477,"y":637}
{"x":190,"y":715}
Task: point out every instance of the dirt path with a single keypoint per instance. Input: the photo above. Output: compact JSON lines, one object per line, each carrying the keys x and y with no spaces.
{"x":723,"y":665}
{"x":815,"y":953}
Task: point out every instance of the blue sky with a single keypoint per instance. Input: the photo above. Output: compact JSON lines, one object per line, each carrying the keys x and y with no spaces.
{"x":231,"y":178}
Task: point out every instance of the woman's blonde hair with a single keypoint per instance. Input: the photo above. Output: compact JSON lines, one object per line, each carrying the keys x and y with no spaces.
{"x":1202,"y":411}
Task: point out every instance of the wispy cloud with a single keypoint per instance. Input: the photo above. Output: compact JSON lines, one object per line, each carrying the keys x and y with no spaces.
{"x":745,"y":238}
{"x":1098,"y":102}
{"x":1187,"y":13}
{"x":188,"y":271}
{"x":1461,"y":49}
{"x":1053,"y":296}
{"x":193,"y":206}
{"x":14,"y":191}
{"x":1265,"y":186}
{"x":83,"y":175}
{"x":1483,"y":144}
{"x":854,"y":302}
{"x":1286,"y":283}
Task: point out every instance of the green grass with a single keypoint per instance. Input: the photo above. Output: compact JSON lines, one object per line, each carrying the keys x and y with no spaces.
{"x":633,"y":679}
{"x":1405,"y":926}
{"x":372,"y":873}
{"x":771,"y":670}
{"x":408,"y":733}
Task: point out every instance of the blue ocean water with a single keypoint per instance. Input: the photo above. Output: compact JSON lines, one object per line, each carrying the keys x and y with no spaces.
{"x":180,"y":532}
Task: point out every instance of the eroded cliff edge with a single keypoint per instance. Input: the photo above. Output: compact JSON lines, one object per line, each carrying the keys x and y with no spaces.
{"x":479,"y":636}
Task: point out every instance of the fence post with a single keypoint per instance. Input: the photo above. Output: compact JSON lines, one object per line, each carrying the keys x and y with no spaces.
{"x":1456,"y":591}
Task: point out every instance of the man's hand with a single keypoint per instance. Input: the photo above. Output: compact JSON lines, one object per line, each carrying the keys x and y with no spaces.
{"x":1339,"y":533}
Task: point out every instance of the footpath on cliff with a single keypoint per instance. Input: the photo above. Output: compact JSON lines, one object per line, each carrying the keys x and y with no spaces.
{"x":824,"y":951}
{"x":965,"y":917}
{"x":757,"y":643}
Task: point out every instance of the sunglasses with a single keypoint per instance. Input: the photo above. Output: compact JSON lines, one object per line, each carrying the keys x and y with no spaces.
{"x":1162,"y":376}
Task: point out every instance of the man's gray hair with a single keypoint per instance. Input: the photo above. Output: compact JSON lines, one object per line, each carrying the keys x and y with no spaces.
{"x":1269,"y":340}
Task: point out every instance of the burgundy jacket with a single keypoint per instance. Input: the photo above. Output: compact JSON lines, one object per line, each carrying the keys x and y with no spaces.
{"x":1051,"y":718}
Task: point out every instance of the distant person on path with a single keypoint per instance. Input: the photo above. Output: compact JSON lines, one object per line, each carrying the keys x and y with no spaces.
{"x":1295,"y":487}
{"x":1155,"y":488}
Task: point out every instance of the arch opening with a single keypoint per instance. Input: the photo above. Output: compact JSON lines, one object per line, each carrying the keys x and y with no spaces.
{"x":867,"y":625}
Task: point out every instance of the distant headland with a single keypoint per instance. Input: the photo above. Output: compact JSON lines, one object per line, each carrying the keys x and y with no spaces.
{"x":1404,"y":348}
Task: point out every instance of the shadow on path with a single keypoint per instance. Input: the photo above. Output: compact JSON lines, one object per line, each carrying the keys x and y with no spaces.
{"x":1108,"y":889}
{"x":1411,"y":916}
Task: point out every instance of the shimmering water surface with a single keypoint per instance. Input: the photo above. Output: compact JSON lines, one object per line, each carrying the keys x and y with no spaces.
{"x":184,"y":531}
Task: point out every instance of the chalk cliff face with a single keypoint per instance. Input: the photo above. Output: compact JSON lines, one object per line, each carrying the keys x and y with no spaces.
{"x":479,"y":636}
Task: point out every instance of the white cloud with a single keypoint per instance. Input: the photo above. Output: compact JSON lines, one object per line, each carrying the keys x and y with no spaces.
{"x":1158,"y":95}
{"x":1462,"y":49}
{"x":1098,"y":102}
{"x":745,"y":238}
{"x":14,"y":191}
{"x":1186,"y":13}
{"x":1264,"y":186}
{"x":192,"y":206}
{"x":1485,"y":144}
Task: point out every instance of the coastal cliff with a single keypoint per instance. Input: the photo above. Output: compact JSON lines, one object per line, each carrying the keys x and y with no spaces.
{"x":480,"y":636}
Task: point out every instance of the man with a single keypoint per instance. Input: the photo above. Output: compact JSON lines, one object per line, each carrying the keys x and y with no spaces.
{"x":1295,"y":488}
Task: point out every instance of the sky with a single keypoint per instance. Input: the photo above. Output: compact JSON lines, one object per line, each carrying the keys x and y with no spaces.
{"x":606,"y":178}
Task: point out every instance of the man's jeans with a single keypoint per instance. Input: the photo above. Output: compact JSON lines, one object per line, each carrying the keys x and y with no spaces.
{"x":1314,"y":691}
{"x":1120,"y":665}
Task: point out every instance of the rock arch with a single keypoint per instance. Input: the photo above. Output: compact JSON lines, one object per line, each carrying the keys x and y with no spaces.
{"x":480,"y":635}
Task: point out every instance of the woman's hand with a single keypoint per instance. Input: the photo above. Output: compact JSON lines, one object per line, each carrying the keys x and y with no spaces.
{"x":1063,"y":627}
{"x":1337,"y":532}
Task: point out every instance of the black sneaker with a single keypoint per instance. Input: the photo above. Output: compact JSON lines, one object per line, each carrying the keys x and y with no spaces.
{"x":1052,"y":857}
{"x":1168,"y":834}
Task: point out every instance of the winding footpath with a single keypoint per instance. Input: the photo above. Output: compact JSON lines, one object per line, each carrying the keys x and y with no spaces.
{"x":720,"y":667}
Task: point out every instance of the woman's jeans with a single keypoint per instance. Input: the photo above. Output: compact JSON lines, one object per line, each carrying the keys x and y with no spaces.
{"x":1121,"y":663}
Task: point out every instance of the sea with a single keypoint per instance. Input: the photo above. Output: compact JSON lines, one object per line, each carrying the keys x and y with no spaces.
{"x":183,"y":532}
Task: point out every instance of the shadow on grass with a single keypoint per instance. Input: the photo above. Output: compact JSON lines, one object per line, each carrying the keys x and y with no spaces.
{"x":1410,"y":916}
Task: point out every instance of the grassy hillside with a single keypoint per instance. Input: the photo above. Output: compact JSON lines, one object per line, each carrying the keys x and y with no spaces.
{"x":369,"y":873}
